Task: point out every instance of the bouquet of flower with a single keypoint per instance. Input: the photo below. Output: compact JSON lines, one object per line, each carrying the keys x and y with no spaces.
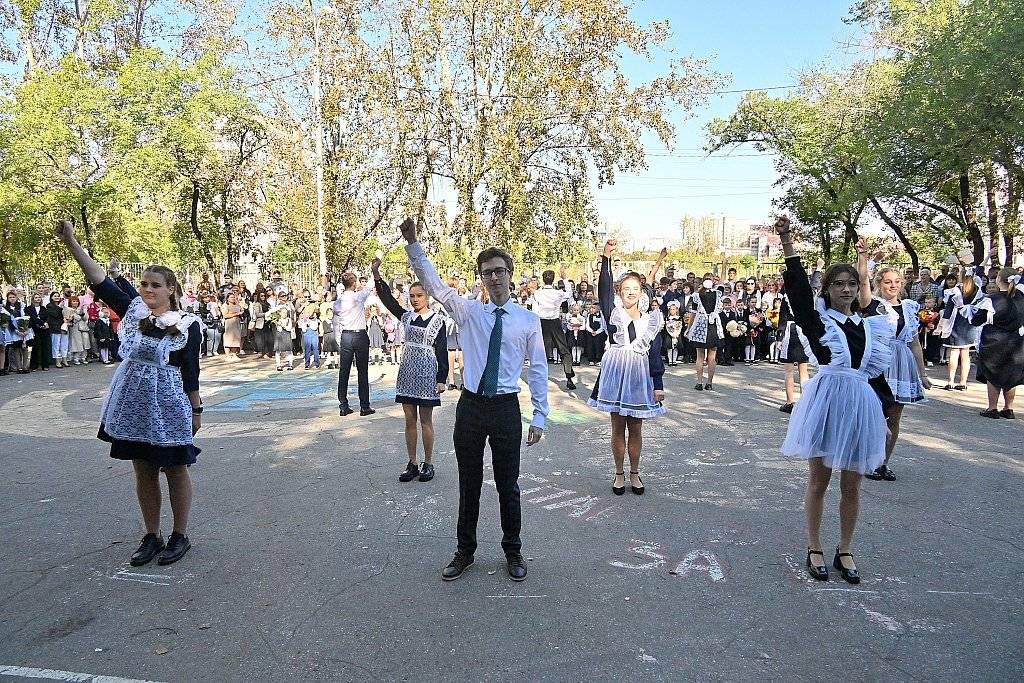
{"x":928,"y":317}
{"x":275,"y":314}
{"x":736,"y":328}
{"x":5,"y":319}
{"x":22,"y":323}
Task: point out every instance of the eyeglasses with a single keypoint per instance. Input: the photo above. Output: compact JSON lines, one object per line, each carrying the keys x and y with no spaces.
{"x":494,"y":272}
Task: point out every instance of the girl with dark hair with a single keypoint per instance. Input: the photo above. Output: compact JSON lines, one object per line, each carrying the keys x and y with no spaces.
{"x":153,"y":409}
{"x":421,"y":372}
{"x":629,"y":386}
{"x":1001,"y":357}
{"x":705,"y":330}
{"x":839,"y":422}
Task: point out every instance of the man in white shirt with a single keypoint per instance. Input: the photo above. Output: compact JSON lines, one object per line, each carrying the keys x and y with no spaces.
{"x":496,"y":338}
{"x":354,"y":342}
{"x":547,"y":304}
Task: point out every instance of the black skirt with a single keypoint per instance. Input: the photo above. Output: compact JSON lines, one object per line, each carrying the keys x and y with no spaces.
{"x":795,"y":352}
{"x":712,"y":339}
{"x":159,"y":456}
{"x":410,"y":401}
{"x":1001,"y":358}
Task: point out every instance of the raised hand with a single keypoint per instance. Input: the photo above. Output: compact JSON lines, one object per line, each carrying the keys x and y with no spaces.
{"x":408,"y":229}
{"x":862,"y":246}
{"x":375,"y":268}
{"x":782,"y":224}
{"x":610,"y":246}
{"x":113,"y":267}
{"x":663,"y":253}
{"x":65,"y":229}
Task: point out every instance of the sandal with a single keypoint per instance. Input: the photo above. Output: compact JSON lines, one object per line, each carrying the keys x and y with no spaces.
{"x":619,"y":490}
{"x":638,"y":490}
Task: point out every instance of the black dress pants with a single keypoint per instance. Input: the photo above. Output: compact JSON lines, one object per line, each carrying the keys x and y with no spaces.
{"x":498,"y":421}
{"x":554,"y":336}
{"x":41,"y":350}
{"x":355,"y":345}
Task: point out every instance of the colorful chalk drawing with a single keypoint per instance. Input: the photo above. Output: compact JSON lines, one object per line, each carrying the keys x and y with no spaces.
{"x":276,"y":387}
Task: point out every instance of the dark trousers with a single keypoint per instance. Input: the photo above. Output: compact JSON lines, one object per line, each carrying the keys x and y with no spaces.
{"x":41,"y":350}
{"x":355,"y":345}
{"x":554,"y":336}
{"x":480,"y":420}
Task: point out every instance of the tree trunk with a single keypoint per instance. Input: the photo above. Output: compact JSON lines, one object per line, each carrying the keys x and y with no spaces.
{"x":1011,"y":218}
{"x":993,"y":216}
{"x":825,"y":237}
{"x":90,"y":240}
{"x":140,"y":16}
{"x":229,"y":238}
{"x":900,"y":235}
{"x":193,"y":221}
{"x":971,"y":219}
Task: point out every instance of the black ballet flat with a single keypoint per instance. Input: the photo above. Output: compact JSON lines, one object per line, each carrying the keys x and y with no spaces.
{"x":849,"y":575}
{"x":876,"y":474}
{"x":991,"y":412}
{"x":948,"y":387}
{"x":708,"y":387}
{"x":1008,"y":414}
{"x":888,"y":474}
{"x":638,"y":490}
{"x":619,"y":490}
{"x":960,"y":387}
{"x":817,"y":573}
{"x":699,"y":387}
{"x":786,"y":408}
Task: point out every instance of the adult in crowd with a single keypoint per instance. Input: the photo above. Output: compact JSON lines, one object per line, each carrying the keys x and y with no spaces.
{"x":548,"y":301}
{"x":40,"y":345}
{"x":153,"y":409}
{"x":350,"y":319}
{"x":1001,"y":357}
{"x":232,"y":311}
{"x":497,"y":338}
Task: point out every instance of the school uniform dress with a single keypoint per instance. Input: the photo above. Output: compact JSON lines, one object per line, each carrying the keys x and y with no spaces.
{"x":375,"y":332}
{"x":1001,"y":356}
{"x":13,"y":337}
{"x":794,"y":345}
{"x":902,"y":375}
{"x":840,"y":417}
{"x":958,"y":331}
{"x":632,"y":368}
{"x":595,"y":339}
{"x":147,"y":413}
{"x":284,"y":331}
{"x":706,"y":328}
{"x":425,"y":354}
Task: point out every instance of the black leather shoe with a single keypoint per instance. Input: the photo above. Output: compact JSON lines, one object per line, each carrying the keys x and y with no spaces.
{"x":849,"y":575}
{"x":708,"y":387}
{"x":887,"y":474}
{"x":516,"y":567}
{"x":786,"y":408}
{"x":638,"y":490}
{"x":426,"y":472}
{"x":368,"y":411}
{"x":459,"y":564}
{"x":410,"y":473}
{"x":569,"y":384}
{"x":619,"y":490}
{"x":991,"y":412}
{"x":1007,"y":413}
{"x":875,"y":474}
{"x":817,"y":573}
{"x":151,"y":545}
{"x":177,"y":546}
{"x":699,"y":387}
{"x":345,"y":410}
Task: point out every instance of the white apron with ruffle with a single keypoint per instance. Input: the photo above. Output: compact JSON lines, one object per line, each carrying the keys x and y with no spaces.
{"x":625,"y":385}
{"x":903,"y":376}
{"x":147,"y":401}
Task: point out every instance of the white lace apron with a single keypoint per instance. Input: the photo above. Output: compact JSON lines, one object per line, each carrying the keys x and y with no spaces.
{"x":147,"y":401}
{"x":417,"y":374}
{"x":698,"y":331}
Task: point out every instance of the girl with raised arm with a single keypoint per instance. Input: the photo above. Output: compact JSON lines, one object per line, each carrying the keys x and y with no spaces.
{"x":629,"y":386}
{"x":839,"y":421}
{"x":153,"y":409}
{"x":421,"y":372}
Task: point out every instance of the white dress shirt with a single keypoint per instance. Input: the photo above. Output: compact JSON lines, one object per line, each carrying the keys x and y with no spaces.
{"x":520,"y":337}
{"x":350,"y":308}
{"x":548,"y":302}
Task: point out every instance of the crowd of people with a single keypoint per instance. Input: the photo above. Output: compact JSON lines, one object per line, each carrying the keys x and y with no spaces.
{"x":872,"y":331}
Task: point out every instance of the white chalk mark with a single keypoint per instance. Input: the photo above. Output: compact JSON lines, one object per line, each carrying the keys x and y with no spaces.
{"x":644,"y":549}
{"x":645,"y":658}
{"x":580,"y":506}
{"x":957,"y":593}
{"x":517,"y":596}
{"x":125,"y":572}
{"x":57,"y":675}
{"x":842,"y":590}
{"x":884,"y":620}
{"x":127,"y":578}
{"x":709,"y":564}
{"x":558,"y":493}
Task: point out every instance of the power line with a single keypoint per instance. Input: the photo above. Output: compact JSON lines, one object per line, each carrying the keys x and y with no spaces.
{"x":682,"y":196}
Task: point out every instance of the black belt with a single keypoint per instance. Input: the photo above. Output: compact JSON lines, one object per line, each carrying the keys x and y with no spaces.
{"x":352,"y":331}
{"x":489,"y":399}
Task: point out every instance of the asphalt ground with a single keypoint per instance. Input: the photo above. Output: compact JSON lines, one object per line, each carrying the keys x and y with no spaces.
{"x":310,"y":561}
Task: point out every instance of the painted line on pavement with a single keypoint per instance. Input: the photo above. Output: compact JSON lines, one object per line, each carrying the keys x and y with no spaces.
{"x":57,"y":675}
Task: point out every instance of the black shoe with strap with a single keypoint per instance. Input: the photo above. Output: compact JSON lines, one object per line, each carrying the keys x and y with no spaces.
{"x":816,"y":572}
{"x":410,"y":473}
{"x":426,"y":471}
{"x":786,"y":408}
{"x":699,"y":387}
{"x":459,"y":564}
{"x":875,"y":474}
{"x":638,"y":490}
{"x":151,"y":545}
{"x":569,"y":384}
{"x":177,"y":546}
{"x":516,"y":566}
{"x":849,"y":575}
{"x":888,"y":474}
{"x":619,"y":490}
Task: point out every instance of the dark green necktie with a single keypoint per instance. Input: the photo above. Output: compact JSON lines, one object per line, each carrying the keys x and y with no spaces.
{"x":489,"y":381}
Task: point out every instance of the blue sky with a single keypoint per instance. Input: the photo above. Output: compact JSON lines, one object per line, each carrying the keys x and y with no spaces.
{"x":757,"y":44}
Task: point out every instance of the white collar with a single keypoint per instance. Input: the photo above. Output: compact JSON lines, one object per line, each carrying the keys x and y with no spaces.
{"x":507,"y":306}
{"x":423,"y":316}
{"x":842,"y":318}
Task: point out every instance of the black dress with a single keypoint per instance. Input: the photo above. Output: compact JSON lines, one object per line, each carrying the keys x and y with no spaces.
{"x":1001,"y":355}
{"x":440,"y":345}
{"x":119,"y":297}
